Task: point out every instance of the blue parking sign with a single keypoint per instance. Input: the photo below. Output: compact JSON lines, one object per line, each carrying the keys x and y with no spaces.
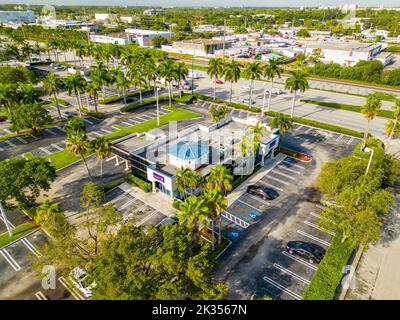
{"x":252,"y":215}
{"x":234,"y":234}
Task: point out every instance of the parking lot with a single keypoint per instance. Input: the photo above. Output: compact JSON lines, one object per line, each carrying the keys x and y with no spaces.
{"x":133,"y":209}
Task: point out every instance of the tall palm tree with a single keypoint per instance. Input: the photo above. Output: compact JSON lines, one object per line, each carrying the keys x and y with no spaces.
{"x":217,"y":202}
{"x":137,"y":79}
{"x":392,"y":126}
{"x":115,"y":51}
{"x":167,"y":72}
{"x":253,"y":71}
{"x":7,"y":97}
{"x":370,"y":110}
{"x":53,"y":45}
{"x":217,"y":113}
{"x":219,"y":178}
{"x":27,"y":50}
{"x":102,"y":147}
{"x":27,"y":93}
{"x":76,"y":83}
{"x":52,"y":85}
{"x":231,"y":73}
{"x":100,"y":75}
{"x":193,"y":213}
{"x":271,"y":71}
{"x":182,"y":180}
{"x":215,"y":70}
{"x":281,"y":121}
{"x":296,"y":82}
{"x":181,"y":71}
{"x":92,"y":89}
{"x":122,"y":83}
{"x":78,"y":145}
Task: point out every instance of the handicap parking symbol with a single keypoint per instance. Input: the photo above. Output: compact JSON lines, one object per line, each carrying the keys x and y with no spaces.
{"x":234,"y":234}
{"x":252,"y":215}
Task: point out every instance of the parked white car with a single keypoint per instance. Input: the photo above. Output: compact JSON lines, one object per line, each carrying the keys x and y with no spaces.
{"x":275,"y":90}
{"x":79,"y":278}
{"x":193,"y":75}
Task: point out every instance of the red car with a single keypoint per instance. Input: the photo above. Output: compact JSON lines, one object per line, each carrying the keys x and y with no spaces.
{"x":218,"y":81}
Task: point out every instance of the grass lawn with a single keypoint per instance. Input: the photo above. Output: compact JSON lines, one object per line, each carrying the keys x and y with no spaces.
{"x":347,"y":107}
{"x":64,"y":158}
{"x":18,"y":232}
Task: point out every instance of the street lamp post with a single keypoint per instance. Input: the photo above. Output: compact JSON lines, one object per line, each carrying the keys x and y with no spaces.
{"x":264,"y":98}
{"x":194,"y":51}
{"x":3,"y":214}
{"x":369,"y":150}
{"x":158,"y":108}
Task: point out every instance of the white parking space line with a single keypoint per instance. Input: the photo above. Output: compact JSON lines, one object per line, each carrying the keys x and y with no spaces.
{"x":88,"y":121}
{"x":45,"y":150}
{"x":40,"y":296}
{"x":350,"y":140}
{"x":293,"y":164}
{"x":276,"y":179}
{"x":22,"y":140}
{"x":146,"y":117}
{"x":139,"y":208}
{"x":126,"y":123}
{"x":339,"y":138}
{"x":316,"y":215}
{"x":313,"y":225}
{"x":282,"y":288}
{"x":291,"y":273}
{"x":147,"y":218}
{"x":106,"y":131}
{"x":126,"y":204}
{"x":299,"y":260}
{"x":51,"y":131}
{"x":309,"y":129}
{"x":249,"y":205}
{"x":9,"y":143}
{"x":307,"y":235}
{"x":7,"y":130}
{"x":298,"y":127}
{"x":269,"y":185}
{"x":284,"y":174}
{"x":290,"y":170}
{"x":59,"y":128}
{"x":96,"y":133}
{"x":10,"y":259}
{"x":57,"y":147}
{"x":9,"y":222}
{"x":257,"y":199}
{"x":31,"y":248}
{"x":120,"y":197}
{"x":76,"y":295}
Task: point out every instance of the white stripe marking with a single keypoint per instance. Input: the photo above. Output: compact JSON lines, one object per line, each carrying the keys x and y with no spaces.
{"x":31,"y":248}
{"x":57,"y":147}
{"x":350,"y":140}
{"x":106,"y":131}
{"x":285,"y":175}
{"x":313,"y":225}
{"x":257,"y":199}
{"x":51,"y":131}
{"x":126,"y":204}
{"x":307,"y":235}
{"x":339,"y":138}
{"x":126,"y":123}
{"x":40,"y":296}
{"x":10,"y":260}
{"x":270,"y":185}
{"x":45,"y":150}
{"x":290,"y":170}
{"x":72,"y":291}
{"x":282,"y":288}
{"x":88,"y":121}
{"x":22,"y":140}
{"x":293,"y":257}
{"x":148,"y":218}
{"x":291,"y":273}
{"x":276,"y":179}
{"x":293,"y":164}
{"x":7,"y":131}
{"x":249,"y":205}
{"x":9,"y":143}
{"x":60,"y":128}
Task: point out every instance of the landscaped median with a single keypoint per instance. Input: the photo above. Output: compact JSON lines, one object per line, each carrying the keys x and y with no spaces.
{"x":64,"y":158}
{"x":113,"y":99}
{"x":326,"y":280}
{"x":18,"y":232}
{"x":347,"y":107}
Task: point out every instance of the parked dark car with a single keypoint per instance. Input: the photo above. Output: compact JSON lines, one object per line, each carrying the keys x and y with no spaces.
{"x":263,"y":192}
{"x":310,"y":251}
{"x":168,"y":220}
{"x":68,"y":114}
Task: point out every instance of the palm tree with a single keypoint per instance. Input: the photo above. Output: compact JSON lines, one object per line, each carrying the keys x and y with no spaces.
{"x":217,"y":113}
{"x":253,"y":71}
{"x":52,"y":86}
{"x":231,"y":73}
{"x":92,"y":89}
{"x":115,"y":51}
{"x":27,"y":50}
{"x":193,"y":213}
{"x":53,"y":45}
{"x":137,"y":79}
{"x":217,"y":202}
{"x":370,"y":110}
{"x":123,"y":84}
{"x":102,"y":147}
{"x":281,"y":121}
{"x":78,"y":145}
{"x":214,"y":70}
{"x":100,"y":75}
{"x":167,"y":71}
{"x":271,"y":71}
{"x":181,"y":71}
{"x":80,"y":52}
{"x":182,"y":180}
{"x":296,"y":82}
{"x":7,"y":97}
{"x":76,"y":83}
{"x":392,"y":126}
{"x":27,"y":93}
{"x":219,"y":178}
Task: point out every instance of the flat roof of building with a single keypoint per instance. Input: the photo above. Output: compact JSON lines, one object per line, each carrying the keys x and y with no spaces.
{"x":200,"y":41}
{"x":146,"y":32}
{"x":345,"y":46}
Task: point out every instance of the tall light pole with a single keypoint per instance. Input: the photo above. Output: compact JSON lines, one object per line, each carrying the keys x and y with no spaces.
{"x":369,"y":150}
{"x":3,"y":214}
{"x":194,"y":52}
{"x":223,"y":43}
{"x":158,"y":108}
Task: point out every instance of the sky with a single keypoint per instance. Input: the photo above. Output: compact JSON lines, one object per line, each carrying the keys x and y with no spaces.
{"x":233,"y":3}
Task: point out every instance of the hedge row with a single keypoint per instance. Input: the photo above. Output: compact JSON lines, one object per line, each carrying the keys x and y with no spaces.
{"x":322,"y":125}
{"x":121,"y":97}
{"x":330,"y":271}
{"x":347,"y":107}
{"x":145,"y":186}
{"x":373,"y":143}
{"x":93,"y":114}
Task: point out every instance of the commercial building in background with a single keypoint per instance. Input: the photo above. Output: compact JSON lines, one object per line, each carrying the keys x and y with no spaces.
{"x":129,"y":19}
{"x":156,"y":157}
{"x":17,"y":17}
{"x":144,"y":38}
{"x":153,"y":12}
{"x":100,"y":38}
{"x":345,"y":53}
{"x":105,"y":16}
{"x":197,"y":47}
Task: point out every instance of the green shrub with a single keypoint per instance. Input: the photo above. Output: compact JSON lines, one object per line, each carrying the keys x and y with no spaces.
{"x":93,"y":114}
{"x":330,"y":271}
{"x":113,"y":184}
{"x":144,"y":185}
{"x":373,"y":143}
{"x":109,"y":100}
{"x":177,"y":204}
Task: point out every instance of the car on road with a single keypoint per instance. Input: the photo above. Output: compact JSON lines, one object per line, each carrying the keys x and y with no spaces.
{"x":262,"y":192}
{"x":193,"y":75}
{"x":218,"y":81}
{"x":68,"y":114}
{"x":80,"y":279}
{"x":275,"y":90}
{"x":310,"y":251}
{"x":247,"y":100}
{"x":167,"y":220}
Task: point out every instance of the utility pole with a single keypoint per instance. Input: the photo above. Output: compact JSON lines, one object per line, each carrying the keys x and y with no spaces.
{"x":3,"y":214}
